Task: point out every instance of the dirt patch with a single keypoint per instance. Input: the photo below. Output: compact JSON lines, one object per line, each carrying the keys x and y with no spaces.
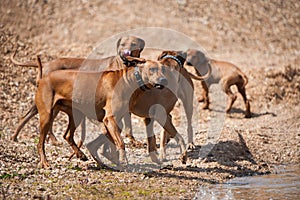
{"x":260,"y":37}
{"x":284,"y":85}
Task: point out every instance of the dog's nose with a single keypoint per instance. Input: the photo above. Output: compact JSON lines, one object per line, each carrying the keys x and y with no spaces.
{"x":162,"y":82}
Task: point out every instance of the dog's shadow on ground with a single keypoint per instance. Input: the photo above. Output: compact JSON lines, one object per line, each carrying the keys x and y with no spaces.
{"x":239,"y":113}
{"x":229,"y":154}
{"x":225,"y":153}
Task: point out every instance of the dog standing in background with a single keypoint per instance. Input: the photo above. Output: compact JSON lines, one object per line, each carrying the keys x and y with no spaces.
{"x":224,"y":73}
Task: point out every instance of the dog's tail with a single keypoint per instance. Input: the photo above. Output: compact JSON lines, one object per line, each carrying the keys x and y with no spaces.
{"x":28,"y":64}
{"x":201,"y":78}
{"x":40,"y":68}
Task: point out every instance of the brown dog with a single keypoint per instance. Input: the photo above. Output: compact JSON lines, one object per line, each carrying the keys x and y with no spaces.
{"x":126,"y":46}
{"x":153,"y":104}
{"x":180,"y":86}
{"x":156,"y":104}
{"x":108,"y":93}
{"x":224,"y":73}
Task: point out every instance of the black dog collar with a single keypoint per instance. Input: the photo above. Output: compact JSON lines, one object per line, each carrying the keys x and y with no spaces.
{"x":139,"y":79}
{"x":174,"y":58}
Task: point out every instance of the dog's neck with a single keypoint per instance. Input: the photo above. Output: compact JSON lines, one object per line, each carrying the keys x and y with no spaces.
{"x":126,"y":62}
{"x":170,"y":58}
{"x":139,"y":79}
{"x":133,"y":78}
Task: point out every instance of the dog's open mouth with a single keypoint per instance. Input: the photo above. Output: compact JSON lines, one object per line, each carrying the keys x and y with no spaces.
{"x":126,"y":53}
{"x":159,"y":86}
{"x":162,"y":83}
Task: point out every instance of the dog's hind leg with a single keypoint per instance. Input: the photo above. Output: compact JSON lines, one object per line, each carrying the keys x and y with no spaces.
{"x":51,"y":134}
{"x":188,"y":108}
{"x":242,"y":91}
{"x":128,"y":130}
{"x":83,"y":132}
{"x":232,"y":97}
{"x":46,"y":120}
{"x":205,"y":97}
{"x":69,"y":135}
{"x":31,"y":113}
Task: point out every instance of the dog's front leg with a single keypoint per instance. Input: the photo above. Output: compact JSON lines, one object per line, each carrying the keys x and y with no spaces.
{"x":114,"y":132}
{"x":164,"y":139}
{"x":128,"y":127}
{"x":151,"y":140}
{"x":183,"y":149}
{"x":171,"y":130}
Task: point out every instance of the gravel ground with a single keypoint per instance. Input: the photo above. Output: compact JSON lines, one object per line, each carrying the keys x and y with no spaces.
{"x":262,"y":38}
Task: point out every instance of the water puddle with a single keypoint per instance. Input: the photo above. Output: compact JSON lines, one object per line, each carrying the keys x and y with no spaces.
{"x":283,"y":184}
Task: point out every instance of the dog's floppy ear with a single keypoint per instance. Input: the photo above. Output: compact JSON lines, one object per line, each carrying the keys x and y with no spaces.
{"x":202,"y":57}
{"x":141,"y":44}
{"x":135,"y":59}
{"x":183,"y":54}
{"x":163,"y":54}
{"x":118,"y":42}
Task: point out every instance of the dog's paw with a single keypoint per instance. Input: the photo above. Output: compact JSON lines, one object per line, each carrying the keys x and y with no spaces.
{"x":44,"y":165}
{"x":248,"y":115}
{"x":191,"y":146}
{"x":200,"y":99}
{"x":14,"y":138}
{"x":82,"y":156}
{"x":154,"y":158}
{"x":205,"y":107}
{"x":183,"y":158}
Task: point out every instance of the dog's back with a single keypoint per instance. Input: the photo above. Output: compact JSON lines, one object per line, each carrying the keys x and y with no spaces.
{"x":229,"y":70}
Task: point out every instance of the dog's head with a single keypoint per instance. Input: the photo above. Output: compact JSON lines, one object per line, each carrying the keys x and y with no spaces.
{"x":173,"y":62}
{"x":197,"y":59}
{"x":153,"y":74}
{"x":130,"y":46}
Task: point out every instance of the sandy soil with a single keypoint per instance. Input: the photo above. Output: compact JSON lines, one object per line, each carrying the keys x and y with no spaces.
{"x":262,"y":38}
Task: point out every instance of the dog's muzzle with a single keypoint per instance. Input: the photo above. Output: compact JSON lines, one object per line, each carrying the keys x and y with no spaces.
{"x":126,"y":52}
{"x":162,"y":82}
